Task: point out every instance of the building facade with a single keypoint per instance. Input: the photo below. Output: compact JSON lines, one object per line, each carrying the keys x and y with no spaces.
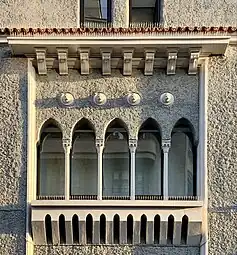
{"x":118,"y":127}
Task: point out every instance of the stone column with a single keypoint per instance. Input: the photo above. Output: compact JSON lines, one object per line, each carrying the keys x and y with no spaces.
{"x":166,"y":143}
{"x":67,"y":149}
{"x":132,"y":148}
{"x":120,"y":13}
{"x":100,"y":148}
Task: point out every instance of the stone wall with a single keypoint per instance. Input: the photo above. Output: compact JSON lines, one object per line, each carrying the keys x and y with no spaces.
{"x":114,"y":250}
{"x":13,"y":128}
{"x":222,"y":153}
{"x":117,"y":87}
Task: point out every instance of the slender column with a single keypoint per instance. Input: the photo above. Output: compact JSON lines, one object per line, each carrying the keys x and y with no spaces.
{"x":132,"y":148}
{"x":166,"y":143}
{"x":67,"y":149}
{"x":100,"y":148}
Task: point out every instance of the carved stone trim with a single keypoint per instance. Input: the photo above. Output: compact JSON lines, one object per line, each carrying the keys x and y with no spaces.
{"x":84,"y":57}
{"x":106,"y":61}
{"x":99,"y":143}
{"x":193,"y":61}
{"x":127,"y":61}
{"x":62,"y":61}
{"x":41,"y":60}
{"x":67,"y":144}
{"x":149,"y":61}
{"x":165,"y":145}
{"x":132,"y":143}
{"x":171,"y":63}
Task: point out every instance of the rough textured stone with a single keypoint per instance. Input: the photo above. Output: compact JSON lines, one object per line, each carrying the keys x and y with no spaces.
{"x":115,"y":250}
{"x":222,"y":153}
{"x":39,"y":13}
{"x":199,"y":13}
{"x":120,"y":13}
{"x":116,"y":87}
{"x":12,"y":153}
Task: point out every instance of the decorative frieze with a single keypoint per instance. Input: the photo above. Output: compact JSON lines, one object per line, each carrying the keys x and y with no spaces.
{"x":62,"y":61}
{"x":193,"y":61}
{"x":149,"y":61}
{"x":127,"y":61}
{"x":106,"y":61}
{"x":84,"y":58}
{"x":171,"y":63}
{"x":41,"y":60}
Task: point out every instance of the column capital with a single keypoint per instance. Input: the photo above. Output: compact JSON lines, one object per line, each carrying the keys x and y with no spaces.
{"x":67,"y":144}
{"x":99,"y":143}
{"x":132,"y":143}
{"x":165,"y":145}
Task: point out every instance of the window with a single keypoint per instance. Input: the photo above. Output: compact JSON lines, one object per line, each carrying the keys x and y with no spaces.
{"x":95,"y":13}
{"x":144,"y":12}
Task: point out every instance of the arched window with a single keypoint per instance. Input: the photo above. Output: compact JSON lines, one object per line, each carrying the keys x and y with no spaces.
{"x":170,"y":232}
{"x":184,"y":230}
{"x":84,"y":161}
{"x":129,"y":229}
{"x":48,"y":229}
{"x":50,"y":172}
{"x":89,"y":229}
{"x":62,"y":229}
{"x":157,"y":229}
{"x":75,"y":229}
{"x":116,"y":161}
{"x":102,"y":229}
{"x":148,"y":160}
{"x":143,"y":229}
{"x":116,"y":229}
{"x":182,"y":160}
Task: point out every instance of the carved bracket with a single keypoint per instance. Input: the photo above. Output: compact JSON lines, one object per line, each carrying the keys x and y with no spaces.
{"x":193,"y":62}
{"x":171,"y":63}
{"x":149,"y":62}
{"x":41,"y":60}
{"x":62,"y":61}
{"x":165,"y":145}
{"x":127,"y":61}
{"x":84,"y":57}
{"x":106,"y":61}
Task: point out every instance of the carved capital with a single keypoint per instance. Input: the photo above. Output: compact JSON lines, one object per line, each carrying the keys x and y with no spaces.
{"x":171,"y":62}
{"x":99,"y":143}
{"x":84,"y":58}
{"x":165,"y":145}
{"x":132,"y":145}
{"x":127,"y":61}
{"x":67,"y":143}
{"x":193,"y":61}
{"x":149,"y":61}
{"x":62,"y":61}
{"x":106,"y":61}
{"x":41,"y":60}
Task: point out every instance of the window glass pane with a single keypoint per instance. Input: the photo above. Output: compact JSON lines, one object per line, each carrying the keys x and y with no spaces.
{"x":52,"y":166}
{"x":180,"y":166}
{"x":95,"y":10}
{"x":143,"y":11}
{"x":84,"y":165}
{"x":148,"y":165}
{"x":116,"y":165}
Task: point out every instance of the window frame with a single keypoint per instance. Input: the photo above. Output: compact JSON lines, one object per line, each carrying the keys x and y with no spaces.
{"x":83,"y":17}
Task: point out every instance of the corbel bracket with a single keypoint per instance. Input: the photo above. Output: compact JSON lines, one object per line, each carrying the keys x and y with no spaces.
{"x":171,"y":63}
{"x":84,"y":57}
{"x":127,"y":61}
{"x":106,"y":61}
{"x":62,"y":61}
{"x":149,"y":61}
{"x":193,"y":61}
{"x":41,"y":60}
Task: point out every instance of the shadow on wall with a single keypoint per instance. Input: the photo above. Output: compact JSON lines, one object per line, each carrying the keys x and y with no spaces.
{"x":13,"y":156}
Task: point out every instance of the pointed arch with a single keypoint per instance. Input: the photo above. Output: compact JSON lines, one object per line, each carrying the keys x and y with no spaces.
{"x":62,"y":229}
{"x":116,"y":160}
{"x":130,"y":229}
{"x":116,"y":229}
{"x":148,"y":174}
{"x":83,"y":160}
{"x":184,"y":230}
{"x":183,"y":159}
{"x":75,"y":229}
{"x":89,"y":229}
{"x":157,"y":229}
{"x":102,"y":229}
{"x":170,"y":231}
{"x":116,"y":123}
{"x":143,"y":229}
{"x":48,"y":229}
{"x":83,"y":124}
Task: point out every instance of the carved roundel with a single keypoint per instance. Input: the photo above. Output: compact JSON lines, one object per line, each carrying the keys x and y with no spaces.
{"x":99,"y":98}
{"x":66,"y":99}
{"x":167,"y":99}
{"x":134,"y":98}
